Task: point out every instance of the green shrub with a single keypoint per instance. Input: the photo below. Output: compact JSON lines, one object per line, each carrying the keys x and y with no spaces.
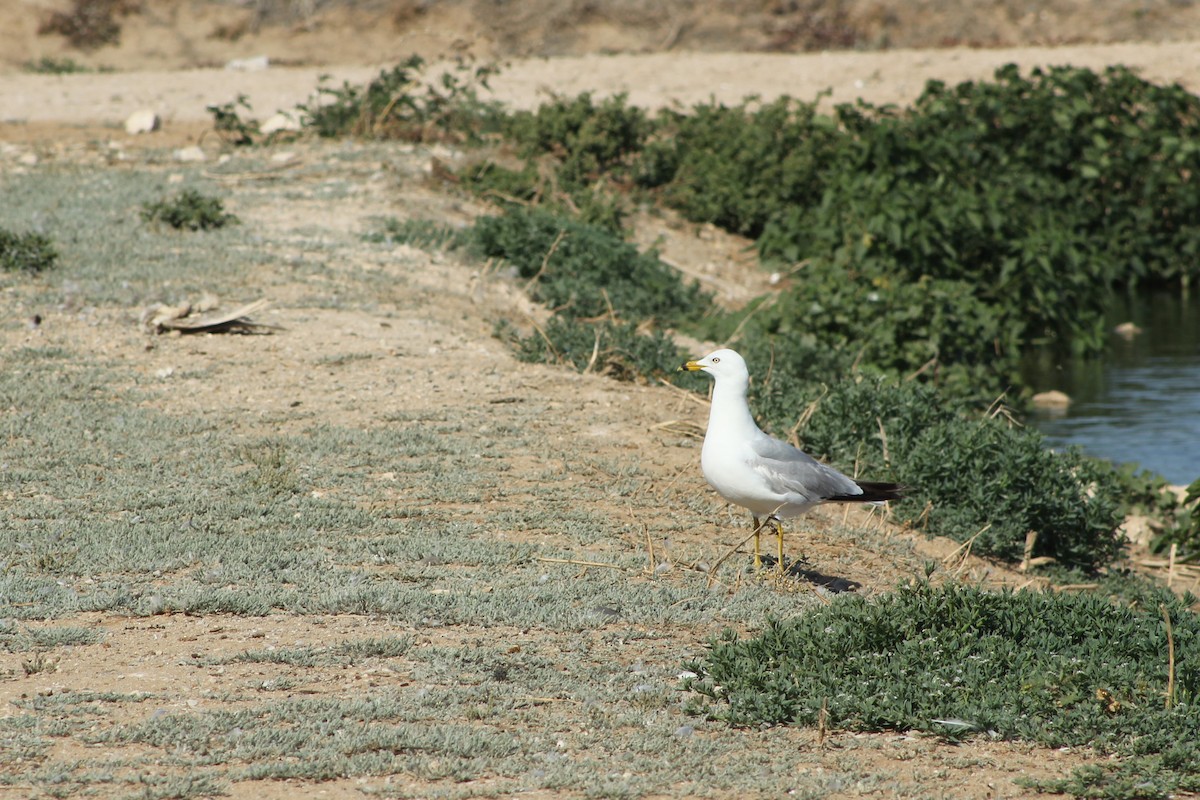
{"x":230,"y":126}
{"x":1018,"y":204}
{"x":189,"y":210}
{"x":740,"y":167}
{"x":996,"y":481}
{"x":26,"y":252}
{"x":531,"y":186}
{"x":585,"y":271}
{"x":932,"y":245}
{"x":589,"y":140}
{"x":1058,"y":670}
{"x":1183,"y":521}
{"x":398,"y":104}
{"x":967,"y":473}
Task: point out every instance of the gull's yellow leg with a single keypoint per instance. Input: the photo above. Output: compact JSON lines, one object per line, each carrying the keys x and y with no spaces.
{"x":779,"y":535}
{"x":757,"y":550}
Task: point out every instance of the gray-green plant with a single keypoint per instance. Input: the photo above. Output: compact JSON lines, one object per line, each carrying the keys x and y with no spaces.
{"x":1055,"y":669}
{"x":26,"y":252}
{"x":189,"y":210}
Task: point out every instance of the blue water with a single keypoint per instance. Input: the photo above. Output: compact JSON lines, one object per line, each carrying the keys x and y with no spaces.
{"x":1141,"y":402}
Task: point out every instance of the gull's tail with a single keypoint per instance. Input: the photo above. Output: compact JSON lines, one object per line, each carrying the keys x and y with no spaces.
{"x":872,"y":493}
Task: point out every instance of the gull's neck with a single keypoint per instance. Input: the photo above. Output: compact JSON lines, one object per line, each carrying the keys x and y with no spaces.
{"x":729,"y":411}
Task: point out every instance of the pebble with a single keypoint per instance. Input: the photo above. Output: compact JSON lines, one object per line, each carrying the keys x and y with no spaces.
{"x":143,"y":121}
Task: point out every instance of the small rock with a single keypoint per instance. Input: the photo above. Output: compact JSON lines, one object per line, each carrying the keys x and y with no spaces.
{"x":1051,"y":399}
{"x":279,"y":121}
{"x":190,"y":154}
{"x":1127,"y":330}
{"x":283,"y":158}
{"x":143,"y":121}
{"x":28,"y":159}
{"x":252,"y":64}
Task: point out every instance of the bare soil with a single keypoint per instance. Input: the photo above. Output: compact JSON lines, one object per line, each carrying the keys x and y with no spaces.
{"x":439,"y":352}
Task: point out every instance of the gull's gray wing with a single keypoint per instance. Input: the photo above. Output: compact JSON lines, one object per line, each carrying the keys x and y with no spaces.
{"x":790,"y":470}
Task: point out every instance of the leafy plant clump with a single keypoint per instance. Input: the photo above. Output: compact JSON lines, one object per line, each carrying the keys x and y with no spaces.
{"x":26,"y":252}
{"x":1183,"y":528}
{"x":399,"y":104}
{"x":977,"y":478}
{"x":586,"y":272}
{"x":189,"y":210}
{"x":956,"y":661}
{"x":609,"y":300}
{"x":229,"y":125}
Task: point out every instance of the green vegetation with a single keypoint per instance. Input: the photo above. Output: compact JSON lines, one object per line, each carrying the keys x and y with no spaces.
{"x":398,"y":104}
{"x":1182,"y":520}
{"x":189,"y":210}
{"x":26,"y":252}
{"x":1054,"y":669}
{"x":948,"y":238}
{"x":230,"y":126}
{"x":608,"y":298}
{"x":583,"y":271}
{"x":978,"y":477}
{"x":48,"y":65}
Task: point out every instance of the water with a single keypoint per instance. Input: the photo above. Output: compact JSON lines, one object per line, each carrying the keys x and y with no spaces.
{"x":1140,"y":403}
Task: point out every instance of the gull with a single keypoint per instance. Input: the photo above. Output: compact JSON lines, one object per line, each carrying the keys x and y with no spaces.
{"x":770,"y":478}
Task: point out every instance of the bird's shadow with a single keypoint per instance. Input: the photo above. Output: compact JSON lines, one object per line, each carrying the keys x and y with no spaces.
{"x":801,"y":571}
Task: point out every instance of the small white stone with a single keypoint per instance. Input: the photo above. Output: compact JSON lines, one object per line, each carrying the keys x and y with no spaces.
{"x":189,"y":154}
{"x":252,"y":64}
{"x":279,"y":121}
{"x":143,"y":121}
{"x":28,"y":159}
{"x":1051,"y":399}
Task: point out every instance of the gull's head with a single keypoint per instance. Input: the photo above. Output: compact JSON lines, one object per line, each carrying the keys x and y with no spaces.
{"x":720,"y":364}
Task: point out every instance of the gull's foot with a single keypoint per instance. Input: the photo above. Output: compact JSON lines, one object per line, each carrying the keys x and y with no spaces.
{"x":790,"y":568}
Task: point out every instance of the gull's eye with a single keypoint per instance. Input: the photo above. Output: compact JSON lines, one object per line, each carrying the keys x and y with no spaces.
{"x":716,"y":361}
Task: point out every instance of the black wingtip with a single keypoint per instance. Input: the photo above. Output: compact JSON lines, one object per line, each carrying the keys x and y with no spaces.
{"x":873,"y":492}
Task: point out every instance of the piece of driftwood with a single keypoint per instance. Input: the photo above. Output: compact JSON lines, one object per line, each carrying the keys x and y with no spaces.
{"x":162,"y":319}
